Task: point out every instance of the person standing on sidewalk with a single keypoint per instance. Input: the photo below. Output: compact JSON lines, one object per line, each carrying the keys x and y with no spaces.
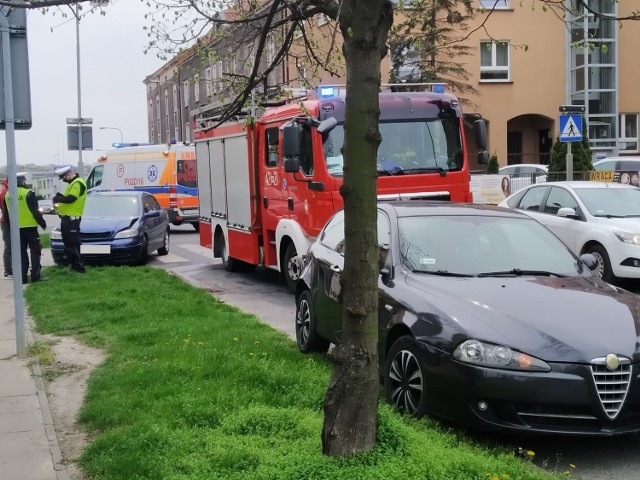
{"x":29,"y":217}
{"x":70,"y":208}
{"x":6,"y":232}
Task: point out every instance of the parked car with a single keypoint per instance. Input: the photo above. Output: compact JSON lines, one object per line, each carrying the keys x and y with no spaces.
{"x":617,"y":164}
{"x":46,"y":207}
{"x":524,"y":174}
{"x":590,"y":217}
{"x":118,"y":227}
{"x":486,"y":319}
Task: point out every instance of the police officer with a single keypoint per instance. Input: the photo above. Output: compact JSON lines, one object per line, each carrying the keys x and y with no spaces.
{"x":29,"y":217}
{"x":70,"y":208}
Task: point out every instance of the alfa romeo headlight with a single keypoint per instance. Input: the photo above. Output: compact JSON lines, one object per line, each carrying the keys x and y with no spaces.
{"x":633,"y":238}
{"x":486,"y":354}
{"x":129,"y":233}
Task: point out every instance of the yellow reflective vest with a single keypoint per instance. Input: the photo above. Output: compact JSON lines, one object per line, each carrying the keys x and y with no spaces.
{"x":25,"y":217}
{"x":76,"y":208}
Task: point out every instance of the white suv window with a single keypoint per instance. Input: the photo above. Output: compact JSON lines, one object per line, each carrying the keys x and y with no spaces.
{"x":605,"y":166}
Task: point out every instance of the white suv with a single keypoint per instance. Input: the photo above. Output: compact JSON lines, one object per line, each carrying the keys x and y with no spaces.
{"x":617,"y":163}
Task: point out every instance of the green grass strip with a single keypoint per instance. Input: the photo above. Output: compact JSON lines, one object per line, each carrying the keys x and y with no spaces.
{"x":195,"y":389}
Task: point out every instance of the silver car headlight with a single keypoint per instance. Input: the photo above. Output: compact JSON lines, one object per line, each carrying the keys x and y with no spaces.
{"x":129,"y":233}
{"x":486,"y":354}
{"x":55,"y":235}
{"x":632,"y":238}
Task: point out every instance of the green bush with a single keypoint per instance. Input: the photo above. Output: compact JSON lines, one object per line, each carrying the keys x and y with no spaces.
{"x":493,"y":166}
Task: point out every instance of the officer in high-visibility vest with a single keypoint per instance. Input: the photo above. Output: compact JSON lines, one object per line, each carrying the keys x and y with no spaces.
{"x":401,"y":153}
{"x":29,"y":217}
{"x":70,"y":208}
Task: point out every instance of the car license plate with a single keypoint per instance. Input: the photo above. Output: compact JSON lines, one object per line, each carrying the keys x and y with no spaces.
{"x":95,"y":249}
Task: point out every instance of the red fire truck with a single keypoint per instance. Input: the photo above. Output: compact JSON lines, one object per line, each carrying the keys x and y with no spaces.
{"x":258,"y":209}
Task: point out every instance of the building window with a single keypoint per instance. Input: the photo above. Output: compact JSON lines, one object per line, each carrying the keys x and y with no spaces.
{"x":406,"y":64}
{"x":176,"y":131}
{"x":270,"y":50}
{"x":628,"y":132}
{"x":322,"y":19}
{"x":175,"y":98}
{"x":218,"y":77}
{"x":208,"y":82}
{"x":494,"y":4}
{"x":185,"y":94}
{"x":158,"y":117}
{"x":196,"y":89}
{"x":494,"y":61}
{"x":187,"y":132}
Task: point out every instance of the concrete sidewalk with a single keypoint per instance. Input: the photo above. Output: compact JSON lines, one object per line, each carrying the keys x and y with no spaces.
{"x":28,"y":444}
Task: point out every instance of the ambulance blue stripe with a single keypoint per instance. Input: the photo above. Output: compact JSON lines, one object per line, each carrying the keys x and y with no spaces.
{"x":179,"y":188}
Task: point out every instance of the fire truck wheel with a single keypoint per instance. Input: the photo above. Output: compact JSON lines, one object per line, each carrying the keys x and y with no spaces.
{"x":292,"y":267}
{"x":230,"y":264}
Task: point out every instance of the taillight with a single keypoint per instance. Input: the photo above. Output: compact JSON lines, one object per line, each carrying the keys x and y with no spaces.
{"x":173,"y":197}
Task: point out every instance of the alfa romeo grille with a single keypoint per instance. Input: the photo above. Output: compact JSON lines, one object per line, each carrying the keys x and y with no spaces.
{"x":612,"y":385}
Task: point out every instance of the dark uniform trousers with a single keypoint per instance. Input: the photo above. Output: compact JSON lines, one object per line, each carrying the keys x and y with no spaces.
{"x":70,"y":229}
{"x":29,"y":238}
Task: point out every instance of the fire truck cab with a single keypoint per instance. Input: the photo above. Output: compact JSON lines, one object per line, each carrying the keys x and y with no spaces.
{"x":267,"y":185}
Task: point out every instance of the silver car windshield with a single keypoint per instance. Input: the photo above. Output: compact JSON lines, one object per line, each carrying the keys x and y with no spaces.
{"x":111,"y":206}
{"x":611,"y":202}
{"x":476,"y":245}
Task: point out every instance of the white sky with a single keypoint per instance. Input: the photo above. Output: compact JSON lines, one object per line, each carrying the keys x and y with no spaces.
{"x":112,"y":66}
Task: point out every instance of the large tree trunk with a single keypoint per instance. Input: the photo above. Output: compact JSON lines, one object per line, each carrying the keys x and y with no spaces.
{"x":350,"y":407}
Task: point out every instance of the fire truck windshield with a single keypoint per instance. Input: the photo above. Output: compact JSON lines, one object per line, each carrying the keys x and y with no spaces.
{"x":421,"y":146}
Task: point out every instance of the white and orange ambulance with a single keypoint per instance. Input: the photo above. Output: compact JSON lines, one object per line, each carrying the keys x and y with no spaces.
{"x":168,"y":171}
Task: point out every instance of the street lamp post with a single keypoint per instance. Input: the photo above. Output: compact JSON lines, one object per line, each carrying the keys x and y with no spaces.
{"x":114,"y":128}
{"x":80,"y":163}
{"x":179,"y":91}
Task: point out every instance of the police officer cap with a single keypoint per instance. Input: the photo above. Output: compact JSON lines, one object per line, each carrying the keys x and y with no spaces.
{"x":62,"y":171}
{"x":21,"y":177}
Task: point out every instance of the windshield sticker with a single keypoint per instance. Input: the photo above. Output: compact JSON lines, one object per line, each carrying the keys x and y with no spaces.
{"x":427,"y":261}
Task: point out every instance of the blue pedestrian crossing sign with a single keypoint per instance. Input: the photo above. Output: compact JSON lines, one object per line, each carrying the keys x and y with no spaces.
{"x":570,"y":128}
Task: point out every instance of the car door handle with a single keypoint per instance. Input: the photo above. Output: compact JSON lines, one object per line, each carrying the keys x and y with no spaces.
{"x":336,"y":269}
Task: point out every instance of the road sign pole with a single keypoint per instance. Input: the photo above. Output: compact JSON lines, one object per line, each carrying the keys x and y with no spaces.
{"x":16,"y":265}
{"x":569,"y":163}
